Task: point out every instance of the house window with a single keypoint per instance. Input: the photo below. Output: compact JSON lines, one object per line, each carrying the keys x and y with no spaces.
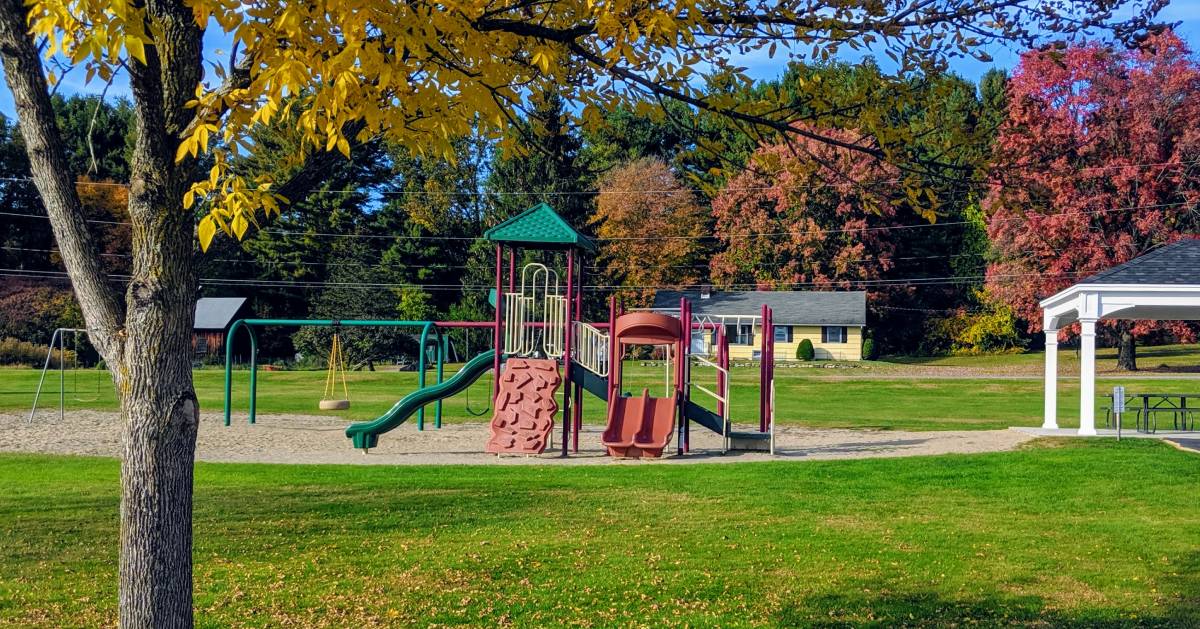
{"x":783,"y":334}
{"x":833,"y":334}
{"x":201,"y":344}
{"x":740,"y":334}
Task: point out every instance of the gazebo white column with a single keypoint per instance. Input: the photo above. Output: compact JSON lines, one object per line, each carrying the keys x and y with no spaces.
{"x":1087,"y":376}
{"x":1050,"y":419}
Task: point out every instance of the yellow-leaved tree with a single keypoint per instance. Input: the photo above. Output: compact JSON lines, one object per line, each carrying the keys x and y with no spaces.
{"x":417,"y":74}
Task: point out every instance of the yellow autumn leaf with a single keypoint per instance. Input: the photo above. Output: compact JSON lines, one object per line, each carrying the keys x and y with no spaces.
{"x":136,"y":48}
{"x":206,"y":230}
{"x":185,"y":146}
{"x":240,"y":225}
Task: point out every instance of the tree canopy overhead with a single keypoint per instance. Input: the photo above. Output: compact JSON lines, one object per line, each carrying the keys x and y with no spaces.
{"x":422,"y":74}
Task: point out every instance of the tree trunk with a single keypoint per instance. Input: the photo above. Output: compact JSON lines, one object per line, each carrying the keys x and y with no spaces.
{"x":1127,"y":350}
{"x":158,"y":399}
{"x":161,"y":412}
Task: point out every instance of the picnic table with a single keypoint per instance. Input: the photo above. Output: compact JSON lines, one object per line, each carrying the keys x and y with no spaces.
{"x":1153,"y":404}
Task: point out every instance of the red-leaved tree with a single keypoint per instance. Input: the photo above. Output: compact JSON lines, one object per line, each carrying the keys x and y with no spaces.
{"x":806,"y":215}
{"x":1097,"y":162}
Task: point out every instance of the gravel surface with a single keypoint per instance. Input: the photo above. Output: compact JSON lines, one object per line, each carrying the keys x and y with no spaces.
{"x":309,"y":439}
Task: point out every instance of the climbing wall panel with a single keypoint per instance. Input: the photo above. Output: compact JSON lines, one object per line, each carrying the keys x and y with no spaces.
{"x":525,"y":407}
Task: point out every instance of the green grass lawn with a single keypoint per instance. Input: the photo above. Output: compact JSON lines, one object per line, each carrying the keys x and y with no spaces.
{"x":1149,"y":358}
{"x":807,"y":397}
{"x":1075,"y":533}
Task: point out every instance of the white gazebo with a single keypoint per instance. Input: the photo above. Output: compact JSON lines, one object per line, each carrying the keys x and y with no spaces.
{"x":1162,"y":285}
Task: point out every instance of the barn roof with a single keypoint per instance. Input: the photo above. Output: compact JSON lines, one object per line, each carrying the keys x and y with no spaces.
{"x":216,"y":313}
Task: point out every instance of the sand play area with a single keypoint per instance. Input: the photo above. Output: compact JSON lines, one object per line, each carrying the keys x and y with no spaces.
{"x":312,"y":439}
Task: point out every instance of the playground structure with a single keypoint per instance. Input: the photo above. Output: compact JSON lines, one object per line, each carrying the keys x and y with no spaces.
{"x":541,"y":344}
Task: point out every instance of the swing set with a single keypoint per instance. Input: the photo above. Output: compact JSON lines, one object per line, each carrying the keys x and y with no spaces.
{"x":60,"y":338}
{"x":433,"y":343}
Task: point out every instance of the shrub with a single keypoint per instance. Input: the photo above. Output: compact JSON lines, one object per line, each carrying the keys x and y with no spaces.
{"x":16,"y":352}
{"x":991,"y":329}
{"x":805,"y":351}
{"x":868,"y":350}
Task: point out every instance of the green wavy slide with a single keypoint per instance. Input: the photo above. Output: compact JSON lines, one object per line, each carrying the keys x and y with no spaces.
{"x":366,"y":434}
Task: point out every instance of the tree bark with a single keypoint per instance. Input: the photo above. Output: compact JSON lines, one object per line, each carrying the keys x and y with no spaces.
{"x":1127,"y":349}
{"x":159,"y":401}
{"x":148,"y":354}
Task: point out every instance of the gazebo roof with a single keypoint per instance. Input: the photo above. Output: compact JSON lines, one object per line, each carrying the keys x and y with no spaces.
{"x":539,"y":226}
{"x":1176,"y":263}
{"x":1162,"y":285}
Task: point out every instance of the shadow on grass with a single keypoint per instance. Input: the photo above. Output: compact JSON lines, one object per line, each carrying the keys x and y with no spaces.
{"x":872,"y":604}
{"x":876,"y":607}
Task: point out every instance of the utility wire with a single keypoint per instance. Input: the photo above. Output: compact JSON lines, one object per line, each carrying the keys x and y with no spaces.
{"x":745,"y":235}
{"x":1083,"y":169}
{"x":736,"y":287}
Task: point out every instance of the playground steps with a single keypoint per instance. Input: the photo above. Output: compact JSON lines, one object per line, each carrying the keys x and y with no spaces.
{"x":753,"y":441}
{"x":592,"y":383}
{"x":750,"y":441}
{"x":704,"y":417}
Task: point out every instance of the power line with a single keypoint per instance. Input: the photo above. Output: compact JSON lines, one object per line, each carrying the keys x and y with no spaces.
{"x":735,"y":287}
{"x":439,"y":265}
{"x":745,"y":235}
{"x":1082,"y":169}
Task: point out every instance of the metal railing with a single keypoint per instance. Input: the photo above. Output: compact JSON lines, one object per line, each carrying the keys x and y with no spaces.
{"x":591,"y":348}
{"x":518,"y":337}
{"x":722,"y":397}
{"x":554,"y":332}
{"x":771,"y":417}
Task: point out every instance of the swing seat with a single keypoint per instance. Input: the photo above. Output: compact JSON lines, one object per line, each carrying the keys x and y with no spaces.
{"x":334,"y":405}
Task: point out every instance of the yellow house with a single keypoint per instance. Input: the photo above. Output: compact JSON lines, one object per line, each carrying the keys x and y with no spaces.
{"x":832,"y":320}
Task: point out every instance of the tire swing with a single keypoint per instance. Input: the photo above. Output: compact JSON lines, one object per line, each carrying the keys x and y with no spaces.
{"x":336,"y":367}
{"x":491,"y":382}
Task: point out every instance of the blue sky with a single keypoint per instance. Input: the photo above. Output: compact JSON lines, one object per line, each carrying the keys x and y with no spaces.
{"x":759,"y":65}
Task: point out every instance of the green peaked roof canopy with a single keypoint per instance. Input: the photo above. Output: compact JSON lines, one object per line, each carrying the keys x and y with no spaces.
{"x":542,"y":227}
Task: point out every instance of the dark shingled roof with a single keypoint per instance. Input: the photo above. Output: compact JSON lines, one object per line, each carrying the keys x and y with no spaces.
{"x":789,"y":307}
{"x":216,"y":313}
{"x":1176,"y":263}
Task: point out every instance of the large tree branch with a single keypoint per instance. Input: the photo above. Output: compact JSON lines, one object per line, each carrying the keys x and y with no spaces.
{"x":23,"y":71}
{"x":311,"y":174}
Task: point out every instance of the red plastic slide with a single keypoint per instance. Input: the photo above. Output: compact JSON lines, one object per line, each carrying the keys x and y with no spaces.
{"x":641,"y":426}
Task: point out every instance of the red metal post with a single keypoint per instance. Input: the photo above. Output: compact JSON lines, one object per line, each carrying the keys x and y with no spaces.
{"x":497,"y":334}
{"x":566,"y":414}
{"x":687,"y":374}
{"x":612,"y":348}
{"x":770,"y":367}
{"x":577,"y":425}
{"x":512,"y":271}
{"x":762,"y":371}
{"x":620,"y":354}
